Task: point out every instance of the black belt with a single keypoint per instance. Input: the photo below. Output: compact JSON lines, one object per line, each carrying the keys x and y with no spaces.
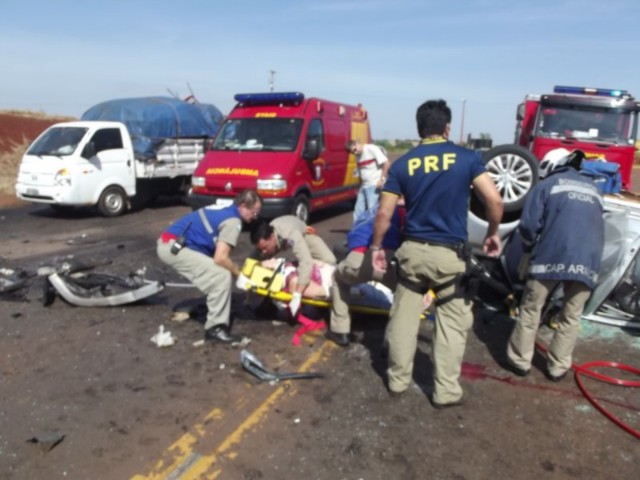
{"x":452,"y":246}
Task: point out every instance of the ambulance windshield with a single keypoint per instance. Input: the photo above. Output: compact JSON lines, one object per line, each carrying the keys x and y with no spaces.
{"x":261,"y":134}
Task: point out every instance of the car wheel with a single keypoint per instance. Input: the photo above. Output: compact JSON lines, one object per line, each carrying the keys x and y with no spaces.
{"x":514,"y":170}
{"x":301,"y":208}
{"x":113,"y":202}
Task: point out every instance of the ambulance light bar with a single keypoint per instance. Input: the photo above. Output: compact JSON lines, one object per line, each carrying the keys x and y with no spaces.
{"x":270,"y":98}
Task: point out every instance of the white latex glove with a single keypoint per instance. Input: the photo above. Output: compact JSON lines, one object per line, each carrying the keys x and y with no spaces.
{"x":294,"y":304}
{"x":244,"y":283}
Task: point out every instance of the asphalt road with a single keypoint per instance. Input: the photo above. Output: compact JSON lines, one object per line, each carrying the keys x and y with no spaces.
{"x":124,"y":408}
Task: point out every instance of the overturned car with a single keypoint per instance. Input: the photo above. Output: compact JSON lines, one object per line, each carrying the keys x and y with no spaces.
{"x":616,"y":298}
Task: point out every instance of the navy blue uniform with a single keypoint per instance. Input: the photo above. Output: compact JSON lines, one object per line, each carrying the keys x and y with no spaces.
{"x":563,"y":228}
{"x":434,"y":179}
{"x":197,"y":236}
{"x":195,"y":262}
{"x":562,"y":207}
{"x":361,"y":233}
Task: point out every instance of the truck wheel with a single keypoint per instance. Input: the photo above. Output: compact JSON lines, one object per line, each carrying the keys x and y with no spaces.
{"x":514,"y":170}
{"x":301,"y":208}
{"x":113,"y":202}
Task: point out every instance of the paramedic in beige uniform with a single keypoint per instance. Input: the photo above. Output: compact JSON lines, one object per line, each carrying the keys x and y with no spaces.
{"x":288,"y":232}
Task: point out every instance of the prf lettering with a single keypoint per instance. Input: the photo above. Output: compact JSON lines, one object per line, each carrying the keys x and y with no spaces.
{"x":431,"y":163}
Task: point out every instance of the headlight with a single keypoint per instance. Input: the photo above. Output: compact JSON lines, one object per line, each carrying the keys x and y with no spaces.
{"x":62,"y":177}
{"x":197,"y":181}
{"x":271,"y":185}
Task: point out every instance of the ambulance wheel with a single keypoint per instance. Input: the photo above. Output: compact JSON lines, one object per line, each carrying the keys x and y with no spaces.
{"x":113,"y":202}
{"x":301,"y":208}
{"x":514,"y":170}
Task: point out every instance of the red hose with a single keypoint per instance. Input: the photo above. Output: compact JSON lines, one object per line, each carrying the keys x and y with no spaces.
{"x":584,"y":369}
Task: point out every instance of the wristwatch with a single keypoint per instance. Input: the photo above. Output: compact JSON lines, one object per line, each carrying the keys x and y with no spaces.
{"x":375,"y":248}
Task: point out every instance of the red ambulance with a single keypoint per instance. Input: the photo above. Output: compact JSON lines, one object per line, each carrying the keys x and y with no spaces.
{"x":291,"y":149}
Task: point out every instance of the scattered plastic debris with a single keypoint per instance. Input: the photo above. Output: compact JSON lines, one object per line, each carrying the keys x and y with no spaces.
{"x":102,"y":290}
{"x":253,"y":365}
{"x":11,"y":280}
{"x":82,"y":239}
{"x":163,"y":338}
{"x":242,"y":343}
{"x":47,"y":441}
{"x":180,"y":316}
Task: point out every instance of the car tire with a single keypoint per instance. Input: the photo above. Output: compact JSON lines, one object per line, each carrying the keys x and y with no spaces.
{"x":514,"y":169}
{"x":301,"y":208}
{"x":112,"y":202}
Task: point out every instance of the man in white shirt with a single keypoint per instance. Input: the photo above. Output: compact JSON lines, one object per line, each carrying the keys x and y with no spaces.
{"x":372,"y":165}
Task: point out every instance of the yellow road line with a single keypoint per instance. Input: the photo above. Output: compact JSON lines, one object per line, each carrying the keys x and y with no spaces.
{"x":188,"y":464}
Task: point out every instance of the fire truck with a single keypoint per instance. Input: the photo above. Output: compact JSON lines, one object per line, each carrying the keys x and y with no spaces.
{"x":601,"y":122}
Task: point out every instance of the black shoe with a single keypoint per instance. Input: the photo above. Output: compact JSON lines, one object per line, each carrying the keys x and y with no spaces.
{"x":555,"y":378}
{"x":521,"y":372}
{"x":457,"y":403}
{"x":220,"y":334}
{"x":341,"y":339}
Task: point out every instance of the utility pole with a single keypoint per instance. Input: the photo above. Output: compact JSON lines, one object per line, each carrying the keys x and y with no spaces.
{"x":464,"y":102}
{"x":272,"y":74}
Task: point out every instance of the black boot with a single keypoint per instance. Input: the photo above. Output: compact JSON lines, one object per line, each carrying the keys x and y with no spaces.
{"x":341,"y":339}
{"x":220,"y":333}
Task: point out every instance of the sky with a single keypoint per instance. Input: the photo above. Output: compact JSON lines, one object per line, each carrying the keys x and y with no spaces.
{"x":61,"y":57}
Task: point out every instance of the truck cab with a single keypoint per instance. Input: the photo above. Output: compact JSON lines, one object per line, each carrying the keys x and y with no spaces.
{"x":291,"y":149}
{"x":601,"y":122}
{"x":122,"y":152}
{"x":79,"y":164}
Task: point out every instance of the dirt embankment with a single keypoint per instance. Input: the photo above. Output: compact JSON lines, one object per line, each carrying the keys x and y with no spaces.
{"x":17,"y":130}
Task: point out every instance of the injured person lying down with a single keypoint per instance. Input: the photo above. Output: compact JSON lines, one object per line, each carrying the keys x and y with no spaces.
{"x":277,"y":277}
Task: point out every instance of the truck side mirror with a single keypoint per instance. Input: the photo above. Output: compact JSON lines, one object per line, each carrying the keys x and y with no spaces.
{"x":89,"y":150}
{"x":311,"y":149}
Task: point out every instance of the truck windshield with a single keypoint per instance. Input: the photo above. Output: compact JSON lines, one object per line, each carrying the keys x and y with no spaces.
{"x":59,"y":141}
{"x":590,"y":124}
{"x":266,"y":134}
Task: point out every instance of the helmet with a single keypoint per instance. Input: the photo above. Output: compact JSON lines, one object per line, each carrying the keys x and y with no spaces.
{"x":560,"y":157}
{"x":552,"y":160}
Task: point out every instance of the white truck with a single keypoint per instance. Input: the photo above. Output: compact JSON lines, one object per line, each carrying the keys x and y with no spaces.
{"x":152,"y":149}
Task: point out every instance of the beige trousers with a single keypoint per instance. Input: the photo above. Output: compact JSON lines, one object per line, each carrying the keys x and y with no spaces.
{"x":354,"y":269}
{"x":521,"y":345}
{"x":429,"y":265}
{"x":210,"y":278}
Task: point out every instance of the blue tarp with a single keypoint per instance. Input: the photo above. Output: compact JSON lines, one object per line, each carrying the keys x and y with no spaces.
{"x":150,"y":120}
